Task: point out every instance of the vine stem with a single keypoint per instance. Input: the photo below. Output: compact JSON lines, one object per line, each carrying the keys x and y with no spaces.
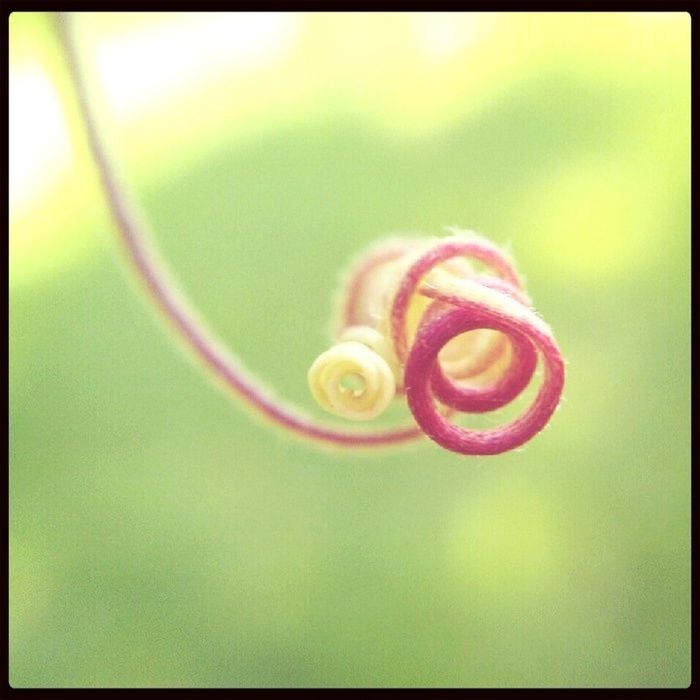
{"x":164,"y":293}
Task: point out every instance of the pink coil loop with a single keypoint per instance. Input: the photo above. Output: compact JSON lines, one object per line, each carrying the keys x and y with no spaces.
{"x":450,"y":315}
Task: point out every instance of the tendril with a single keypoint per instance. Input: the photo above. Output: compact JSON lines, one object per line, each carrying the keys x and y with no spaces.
{"x":416,"y":319}
{"x":442,"y":323}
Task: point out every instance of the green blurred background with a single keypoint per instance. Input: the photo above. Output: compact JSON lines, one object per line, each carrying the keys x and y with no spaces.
{"x":162,"y":536}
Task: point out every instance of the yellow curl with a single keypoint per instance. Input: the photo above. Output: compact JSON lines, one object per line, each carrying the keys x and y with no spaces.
{"x":352,"y":381}
{"x":376,"y":341}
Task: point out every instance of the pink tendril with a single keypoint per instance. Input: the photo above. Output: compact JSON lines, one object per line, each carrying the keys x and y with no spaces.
{"x":381,"y":289}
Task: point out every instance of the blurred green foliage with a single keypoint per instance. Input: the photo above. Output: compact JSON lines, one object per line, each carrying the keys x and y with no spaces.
{"x":162,"y":536}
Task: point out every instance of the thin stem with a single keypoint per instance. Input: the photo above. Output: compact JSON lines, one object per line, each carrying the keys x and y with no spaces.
{"x":167,"y":298}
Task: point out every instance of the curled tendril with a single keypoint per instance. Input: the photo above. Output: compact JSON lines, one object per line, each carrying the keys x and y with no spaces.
{"x":418,"y":319}
{"x":439,"y":322}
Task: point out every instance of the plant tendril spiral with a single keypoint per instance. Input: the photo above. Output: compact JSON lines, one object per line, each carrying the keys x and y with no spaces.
{"x":417,"y":319}
{"x":441,"y":323}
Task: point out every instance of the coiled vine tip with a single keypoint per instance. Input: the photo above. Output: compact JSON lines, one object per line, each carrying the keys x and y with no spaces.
{"x":446,"y":323}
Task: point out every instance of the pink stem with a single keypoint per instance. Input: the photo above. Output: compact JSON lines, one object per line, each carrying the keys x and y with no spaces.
{"x":166,"y":297}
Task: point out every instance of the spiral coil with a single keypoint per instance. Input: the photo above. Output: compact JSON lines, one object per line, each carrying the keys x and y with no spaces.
{"x":419,"y":319}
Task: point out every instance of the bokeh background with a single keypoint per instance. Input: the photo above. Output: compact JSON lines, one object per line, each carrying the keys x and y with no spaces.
{"x":161,"y":535}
